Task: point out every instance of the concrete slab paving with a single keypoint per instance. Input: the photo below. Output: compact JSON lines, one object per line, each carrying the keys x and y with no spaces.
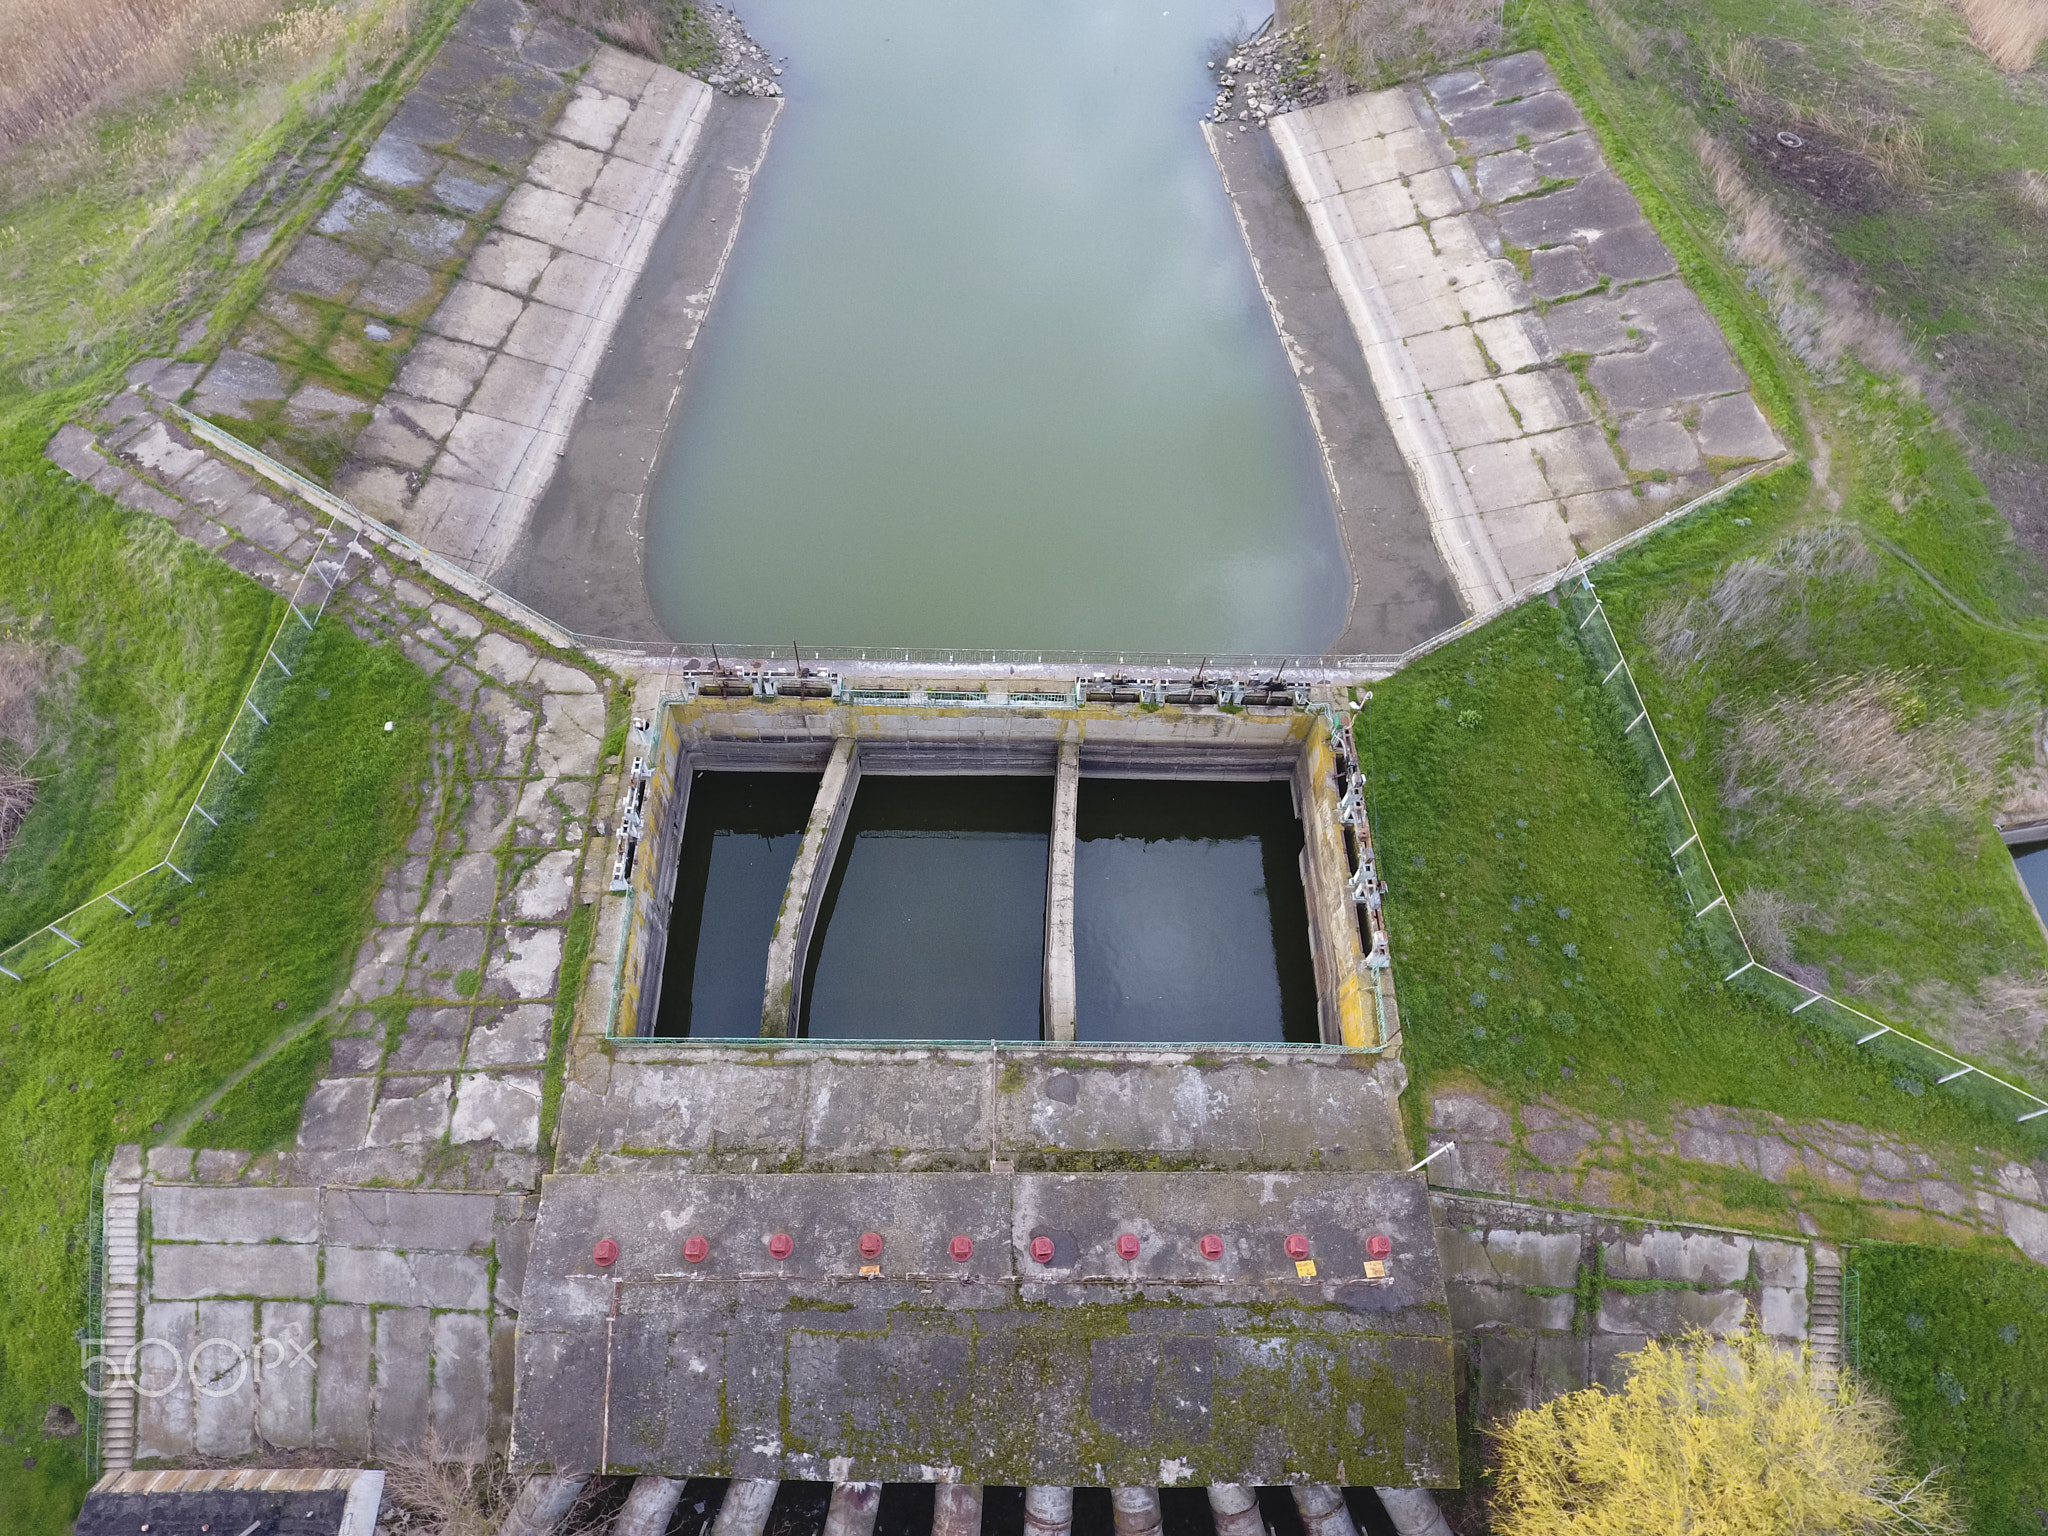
{"x":1432,"y":268}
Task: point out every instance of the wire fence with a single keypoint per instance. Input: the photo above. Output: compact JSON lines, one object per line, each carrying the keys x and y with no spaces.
{"x":132,"y":899}
{"x":1916,"y":1058}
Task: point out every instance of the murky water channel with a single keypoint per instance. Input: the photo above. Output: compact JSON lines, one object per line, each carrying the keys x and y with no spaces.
{"x":933,"y":927}
{"x":740,"y":835}
{"x":989,"y":365}
{"x":1189,"y":917}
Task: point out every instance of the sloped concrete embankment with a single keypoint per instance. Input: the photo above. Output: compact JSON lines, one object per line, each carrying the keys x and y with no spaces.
{"x":1550,"y":379}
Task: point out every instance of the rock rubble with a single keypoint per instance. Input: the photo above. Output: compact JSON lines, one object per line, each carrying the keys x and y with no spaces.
{"x":1272,"y":72}
{"x":743,"y":66}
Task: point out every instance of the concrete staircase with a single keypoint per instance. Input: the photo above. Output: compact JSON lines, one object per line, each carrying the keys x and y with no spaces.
{"x":119,"y":1309}
{"x":1824,"y":1314}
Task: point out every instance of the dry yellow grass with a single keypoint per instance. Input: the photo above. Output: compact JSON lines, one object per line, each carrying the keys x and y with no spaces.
{"x":1822,"y":315}
{"x":1367,"y":42}
{"x":2010,"y":32}
{"x":59,"y":61}
{"x":21,"y":683}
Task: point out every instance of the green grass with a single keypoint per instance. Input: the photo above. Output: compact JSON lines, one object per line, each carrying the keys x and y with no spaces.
{"x":153,"y":643}
{"x":1911,"y":909}
{"x":261,"y":1112}
{"x":1959,"y":1343}
{"x":1529,"y":821}
{"x":113,"y":1043}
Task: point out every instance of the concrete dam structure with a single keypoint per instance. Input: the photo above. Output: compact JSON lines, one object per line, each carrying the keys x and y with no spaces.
{"x":1018,"y":1262}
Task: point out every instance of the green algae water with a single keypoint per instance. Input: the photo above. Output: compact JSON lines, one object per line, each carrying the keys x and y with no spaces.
{"x":989,"y":366}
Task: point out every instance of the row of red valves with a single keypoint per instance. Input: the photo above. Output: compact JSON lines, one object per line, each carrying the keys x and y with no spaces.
{"x":781,"y":1245}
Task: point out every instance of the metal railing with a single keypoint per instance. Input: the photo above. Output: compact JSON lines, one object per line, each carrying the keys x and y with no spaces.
{"x":130,"y":900}
{"x":1710,"y":905}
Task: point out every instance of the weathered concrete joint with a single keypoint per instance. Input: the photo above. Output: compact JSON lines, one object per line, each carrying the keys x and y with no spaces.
{"x":782,"y":994}
{"x":1060,"y":1005}
{"x":542,"y":1505}
{"x":649,"y":1507}
{"x":1236,"y":1508}
{"x":746,"y":1506}
{"x":1049,"y":1511}
{"x":956,"y":1510}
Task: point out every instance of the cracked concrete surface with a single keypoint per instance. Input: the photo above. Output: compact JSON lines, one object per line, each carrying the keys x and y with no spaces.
{"x":1544,"y":1152}
{"x":1552,"y":382}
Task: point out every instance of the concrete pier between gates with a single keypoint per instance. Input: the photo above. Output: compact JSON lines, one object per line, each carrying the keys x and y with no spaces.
{"x":782,"y":993}
{"x":1060,"y":990}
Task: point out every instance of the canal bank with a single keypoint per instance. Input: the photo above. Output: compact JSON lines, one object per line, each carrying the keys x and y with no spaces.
{"x":582,"y":559}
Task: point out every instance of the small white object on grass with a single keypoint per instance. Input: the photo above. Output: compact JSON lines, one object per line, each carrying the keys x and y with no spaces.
{"x":390,"y":725}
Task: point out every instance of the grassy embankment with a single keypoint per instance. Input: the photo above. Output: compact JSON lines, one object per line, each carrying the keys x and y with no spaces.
{"x":123,"y":218}
{"x":1959,"y":1342}
{"x":1841,"y":730}
{"x":1844,"y":730}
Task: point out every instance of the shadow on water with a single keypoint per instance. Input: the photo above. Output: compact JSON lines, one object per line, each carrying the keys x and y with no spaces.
{"x":741,"y":832}
{"x":1189,"y":917}
{"x":933,"y":925}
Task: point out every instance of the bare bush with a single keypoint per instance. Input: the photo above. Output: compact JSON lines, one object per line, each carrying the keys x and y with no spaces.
{"x":2010,"y":32}
{"x":1870,"y":742}
{"x":1365,"y":43}
{"x":444,"y":1491}
{"x":1758,"y":599}
{"x":2031,"y":189}
{"x":1769,"y":920}
{"x":22,"y":672}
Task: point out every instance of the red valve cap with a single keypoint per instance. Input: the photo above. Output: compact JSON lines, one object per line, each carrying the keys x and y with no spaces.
{"x":962,"y":1248}
{"x":1127,"y":1246}
{"x":871,"y":1245}
{"x":696,"y":1250}
{"x":1378,"y":1246}
{"x":781,"y":1246}
{"x":1041,"y":1249}
{"x":1297,"y":1246}
{"x":606,"y":1253}
{"x":1212,"y":1247}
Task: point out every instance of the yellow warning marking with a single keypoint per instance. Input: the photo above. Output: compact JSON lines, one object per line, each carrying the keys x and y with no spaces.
{"x":871,"y":1269}
{"x":1375,"y":1269}
{"x":1305,"y":1268}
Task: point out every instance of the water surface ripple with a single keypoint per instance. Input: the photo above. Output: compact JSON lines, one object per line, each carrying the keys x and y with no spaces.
{"x":989,"y":366}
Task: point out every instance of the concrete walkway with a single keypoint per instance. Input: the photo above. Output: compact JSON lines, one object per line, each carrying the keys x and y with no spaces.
{"x":1550,"y":380}
{"x":1543,"y":1151}
{"x":443,"y":1029}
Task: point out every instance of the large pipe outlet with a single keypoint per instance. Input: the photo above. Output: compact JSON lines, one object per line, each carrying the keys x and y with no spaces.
{"x":956,"y":1509}
{"x":541,"y":1504}
{"x":853,"y":1509}
{"x":1236,"y":1508}
{"x":649,"y":1507}
{"x":1137,"y":1511}
{"x":1323,"y":1510}
{"x":1048,"y":1511}
{"x":1414,"y":1512}
{"x":746,"y":1506}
